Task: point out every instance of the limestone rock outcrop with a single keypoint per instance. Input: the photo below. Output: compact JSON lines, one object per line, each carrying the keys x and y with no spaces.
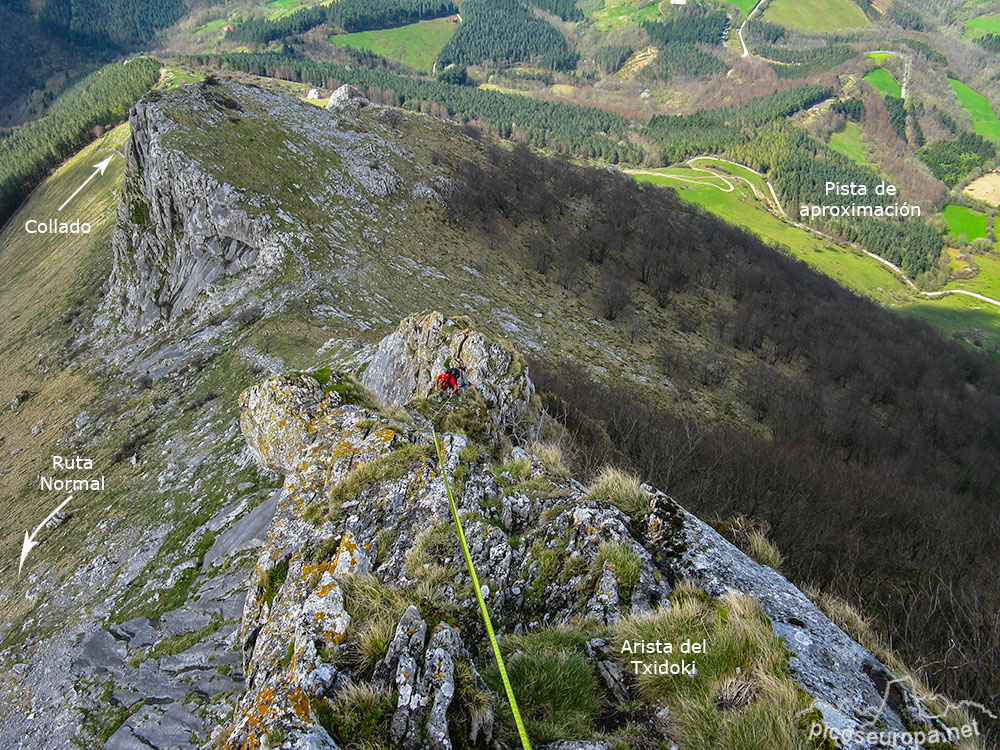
{"x":180,"y":231}
{"x":406,"y":362}
{"x":362,"y":601}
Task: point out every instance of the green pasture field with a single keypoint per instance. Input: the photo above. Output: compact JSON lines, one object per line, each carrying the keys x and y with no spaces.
{"x":848,"y":142}
{"x":815,"y":15}
{"x":884,"y":81}
{"x":612,"y":14}
{"x":416,"y":44}
{"x":984,"y":119}
{"x":964,"y":221}
{"x":983,"y":25}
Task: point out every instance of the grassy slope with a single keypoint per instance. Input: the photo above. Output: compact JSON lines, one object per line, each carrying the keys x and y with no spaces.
{"x":848,"y":142}
{"x":416,"y":44}
{"x":984,"y":119}
{"x":43,"y":278}
{"x":815,"y":15}
{"x":958,"y":316}
{"x":612,"y":14}
{"x":987,"y":281}
{"x":744,"y":5}
{"x":983,"y":25}
{"x":884,"y":81}
{"x":965,"y":221}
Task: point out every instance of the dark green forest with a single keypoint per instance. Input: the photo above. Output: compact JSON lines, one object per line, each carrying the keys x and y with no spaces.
{"x":611,"y":57}
{"x":714,"y":130}
{"x":680,"y":60}
{"x":103,"y":98}
{"x":952,"y":161}
{"x":905,"y":17}
{"x":499,"y":31}
{"x":763,"y":32}
{"x":696,"y":24}
{"x":568,"y":128}
{"x":897,"y":115}
{"x":121,"y":23}
{"x":791,"y":55}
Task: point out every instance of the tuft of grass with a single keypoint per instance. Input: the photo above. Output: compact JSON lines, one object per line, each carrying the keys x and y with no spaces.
{"x":359,"y":717}
{"x":623,"y":490}
{"x":470,"y":705}
{"x":741,"y":695}
{"x":517,"y":468}
{"x":385,"y":468}
{"x":468,"y":418}
{"x":435,"y":545}
{"x":347,"y":386}
{"x":383,"y":543}
{"x":626,"y":564}
{"x":552,"y":457}
{"x":375,"y":611}
{"x":562,"y":637}
{"x":557,"y":693}
{"x":469,"y":454}
{"x":761,"y":549}
{"x":397,"y":413}
{"x":271,"y":580}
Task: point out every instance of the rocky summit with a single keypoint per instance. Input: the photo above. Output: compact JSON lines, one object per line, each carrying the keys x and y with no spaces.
{"x":360,"y":621}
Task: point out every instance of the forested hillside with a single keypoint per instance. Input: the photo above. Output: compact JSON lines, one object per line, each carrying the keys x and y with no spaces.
{"x":676,"y":36}
{"x":121,"y":23}
{"x":101,"y":99}
{"x":713,"y":130}
{"x":501,"y":31}
{"x":878,"y":470}
{"x":801,"y":167}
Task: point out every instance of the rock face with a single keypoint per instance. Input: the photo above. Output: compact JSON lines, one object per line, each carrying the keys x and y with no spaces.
{"x":347,"y":97}
{"x":180,"y":231}
{"x":361,"y":597}
{"x":407,"y":361}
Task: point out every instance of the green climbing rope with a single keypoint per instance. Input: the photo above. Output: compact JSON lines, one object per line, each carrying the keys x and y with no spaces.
{"x":525,"y":742}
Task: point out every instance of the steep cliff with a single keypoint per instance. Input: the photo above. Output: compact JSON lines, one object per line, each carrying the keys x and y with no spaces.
{"x":180,"y":232}
{"x":360,"y":624}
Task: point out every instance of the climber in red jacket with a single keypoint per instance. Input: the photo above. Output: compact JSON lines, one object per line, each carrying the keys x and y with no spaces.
{"x":452,"y":381}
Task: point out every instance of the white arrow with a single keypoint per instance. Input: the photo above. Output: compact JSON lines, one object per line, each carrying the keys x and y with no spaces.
{"x":29,"y":544}
{"x":97,"y":168}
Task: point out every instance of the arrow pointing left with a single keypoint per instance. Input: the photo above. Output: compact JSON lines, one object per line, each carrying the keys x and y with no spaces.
{"x":29,"y":543}
{"x":99,"y":167}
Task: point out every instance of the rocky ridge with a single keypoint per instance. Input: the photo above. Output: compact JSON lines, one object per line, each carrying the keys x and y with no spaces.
{"x":136,"y":647}
{"x":363,"y":516}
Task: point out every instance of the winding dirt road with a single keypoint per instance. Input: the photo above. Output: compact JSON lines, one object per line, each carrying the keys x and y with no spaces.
{"x":775,"y":207}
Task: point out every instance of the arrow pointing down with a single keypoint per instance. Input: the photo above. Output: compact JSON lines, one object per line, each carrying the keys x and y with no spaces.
{"x":29,"y":543}
{"x":99,"y":167}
